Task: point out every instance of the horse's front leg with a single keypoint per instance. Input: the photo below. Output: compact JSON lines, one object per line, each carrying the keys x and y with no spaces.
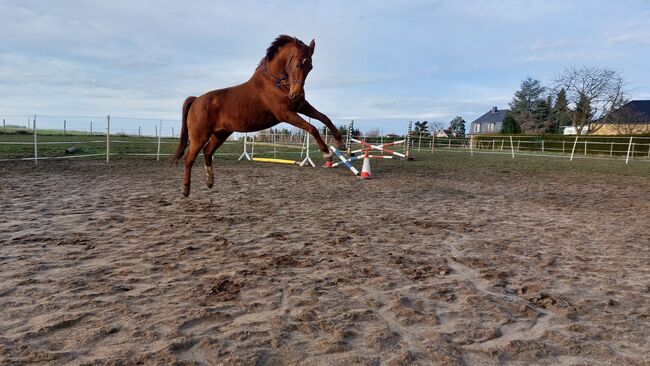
{"x":295,"y":120}
{"x":309,"y":111}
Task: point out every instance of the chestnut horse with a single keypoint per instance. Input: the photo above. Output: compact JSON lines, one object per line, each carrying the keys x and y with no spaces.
{"x":275,"y":93}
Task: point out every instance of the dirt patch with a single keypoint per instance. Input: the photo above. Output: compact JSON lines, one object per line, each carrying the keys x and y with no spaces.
{"x":441,"y":261}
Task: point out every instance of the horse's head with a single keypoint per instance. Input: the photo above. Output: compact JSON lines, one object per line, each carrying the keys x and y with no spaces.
{"x":298,"y":67}
{"x":290,"y":63}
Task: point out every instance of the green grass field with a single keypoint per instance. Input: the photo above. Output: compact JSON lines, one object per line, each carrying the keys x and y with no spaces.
{"x":20,"y":146}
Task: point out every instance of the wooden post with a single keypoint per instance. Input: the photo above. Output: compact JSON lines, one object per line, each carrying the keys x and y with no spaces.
{"x":585,"y":147}
{"x":275,"y":148}
{"x":433,"y":143}
{"x":108,"y":138}
{"x":35,"y":144}
{"x":518,"y":142}
{"x":574,"y":147}
{"x":502,"y":141}
{"x":4,"y":126}
{"x":563,"y":146}
{"x":159,"y":137}
{"x":611,"y":149}
{"x":91,"y":128}
{"x":64,"y":127}
{"x":629,"y":147}
{"x":542,"y":145}
{"x":512,"y":148}
{"x":172,"y":131}
{"x":449,"y":142}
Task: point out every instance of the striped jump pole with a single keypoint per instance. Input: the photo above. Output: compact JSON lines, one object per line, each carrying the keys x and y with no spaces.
{"x":348,"y":138}
{"x":361,"y":157}
{"x":379,"y":148}
{"x":345,"y":161}
{"x":380,"y":145}
{"x":409,"y":141}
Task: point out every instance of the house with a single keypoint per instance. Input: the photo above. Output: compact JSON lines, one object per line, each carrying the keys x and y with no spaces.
{"x":444,"y":133}
{"x":488,"y":123}
{"x":568,"y":130}
{"x":447,"y":133}
{"x":631,"y":119}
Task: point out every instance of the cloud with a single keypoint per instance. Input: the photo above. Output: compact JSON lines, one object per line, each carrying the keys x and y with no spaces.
{"x":540,"y":44}
{"x":571,"y":56}
{"x":629,"y":38}
{"x":415,"y":59}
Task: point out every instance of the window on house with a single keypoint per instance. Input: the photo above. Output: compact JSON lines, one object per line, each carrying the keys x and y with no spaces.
{"x":477,"y":127}
{"x":491,"y":127}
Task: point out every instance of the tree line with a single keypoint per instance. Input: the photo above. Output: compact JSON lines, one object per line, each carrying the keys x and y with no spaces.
{"x":581,"y":97}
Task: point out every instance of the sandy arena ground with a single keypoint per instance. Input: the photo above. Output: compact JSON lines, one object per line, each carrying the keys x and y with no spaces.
{"x":425,"y":264}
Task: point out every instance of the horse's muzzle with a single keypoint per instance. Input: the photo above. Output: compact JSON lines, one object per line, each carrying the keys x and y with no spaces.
{"x":295,"y":95}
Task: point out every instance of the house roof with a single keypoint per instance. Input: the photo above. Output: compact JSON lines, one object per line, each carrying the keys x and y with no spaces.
{"x":493,"y":115}
{"x":634,"y":111}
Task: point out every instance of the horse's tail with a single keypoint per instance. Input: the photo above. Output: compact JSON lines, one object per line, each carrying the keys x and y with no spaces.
{"x":182,"y":143}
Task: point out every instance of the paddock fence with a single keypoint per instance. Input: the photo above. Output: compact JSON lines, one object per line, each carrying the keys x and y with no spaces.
{"x":43,"y":137}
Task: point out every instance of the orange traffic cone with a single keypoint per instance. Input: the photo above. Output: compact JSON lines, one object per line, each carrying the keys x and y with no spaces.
{"x":365,"y":169}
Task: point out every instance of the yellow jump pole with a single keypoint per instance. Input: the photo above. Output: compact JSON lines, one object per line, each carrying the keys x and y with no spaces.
{"x":273,"y":160}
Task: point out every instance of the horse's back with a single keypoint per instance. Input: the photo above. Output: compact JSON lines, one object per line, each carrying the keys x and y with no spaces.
{"x":239,"y":108}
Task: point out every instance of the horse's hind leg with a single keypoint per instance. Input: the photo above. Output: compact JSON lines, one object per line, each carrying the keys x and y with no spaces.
{"x":215,"y":142}
{"x":192,"y":153}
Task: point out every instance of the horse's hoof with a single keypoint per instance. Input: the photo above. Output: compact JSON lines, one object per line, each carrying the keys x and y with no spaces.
{"x":186,"y":191}
{"x":210,"y":184}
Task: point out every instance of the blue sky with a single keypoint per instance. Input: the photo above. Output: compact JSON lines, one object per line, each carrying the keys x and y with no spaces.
{"x":381,"y":63}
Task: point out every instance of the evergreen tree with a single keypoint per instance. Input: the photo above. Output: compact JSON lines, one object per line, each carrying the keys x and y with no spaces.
{"x":421,"y":128}
{"x":510,"y":125}
{"x":528,"y":105}
{"x":457,"y":125}
{"x":560,"y":114}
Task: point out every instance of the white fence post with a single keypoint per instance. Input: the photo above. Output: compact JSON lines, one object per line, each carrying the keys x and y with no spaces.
{"x":471,"y":145}
{"x":159,"y":136}
{"x":64,"y":127}
{"x":35,"y":144}
{"x":108,"y":138}
{"x":629,"y":147}
{"x":512,"y":148}
{"x":4,"y":126}
{"x":574,"y":147}
{"x":91,"y":128}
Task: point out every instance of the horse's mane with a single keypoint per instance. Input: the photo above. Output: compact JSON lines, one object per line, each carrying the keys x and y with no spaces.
{"x":280,"y":42}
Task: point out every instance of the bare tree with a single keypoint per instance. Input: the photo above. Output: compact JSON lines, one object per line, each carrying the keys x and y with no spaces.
{"x":373,"y":132}
{"x":593,"y":93}
{"x":436,"y":127}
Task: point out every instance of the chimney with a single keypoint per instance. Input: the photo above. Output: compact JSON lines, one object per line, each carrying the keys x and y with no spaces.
{"x":494,"y":110}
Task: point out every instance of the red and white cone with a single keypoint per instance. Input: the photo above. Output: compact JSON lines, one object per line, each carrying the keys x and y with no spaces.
{"x":365,"y":169}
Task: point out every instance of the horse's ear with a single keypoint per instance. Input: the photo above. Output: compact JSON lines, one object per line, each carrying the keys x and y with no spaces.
{"x":312,"y":45}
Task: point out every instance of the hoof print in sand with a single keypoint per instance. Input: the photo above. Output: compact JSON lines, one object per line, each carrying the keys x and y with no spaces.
{"x":224,"y":289}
